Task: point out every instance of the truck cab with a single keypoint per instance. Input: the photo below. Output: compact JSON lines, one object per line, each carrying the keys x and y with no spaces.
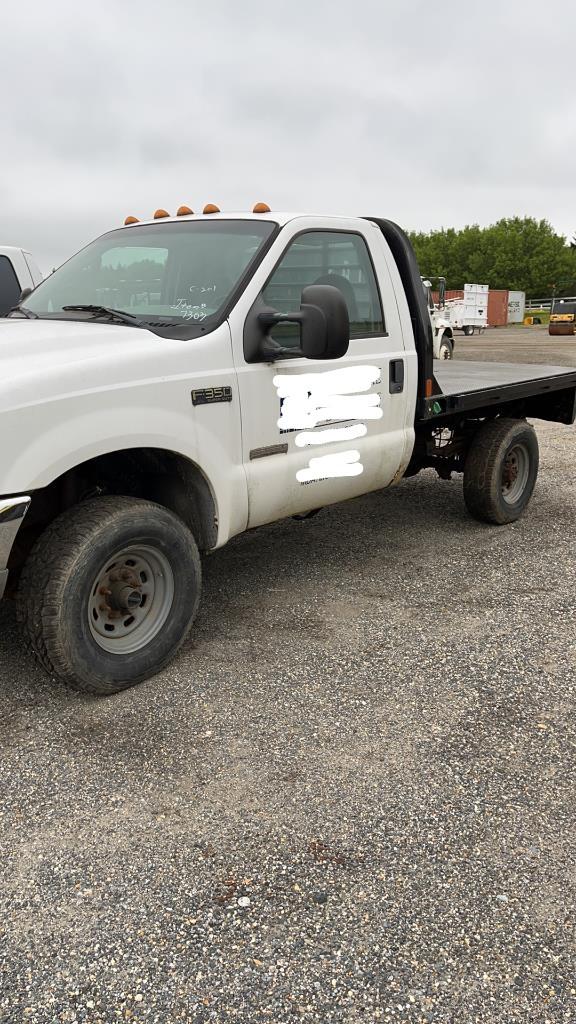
{"x":18,"y":271}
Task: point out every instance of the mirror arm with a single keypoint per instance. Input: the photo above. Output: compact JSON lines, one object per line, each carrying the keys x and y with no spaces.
{"x":270,"y":349}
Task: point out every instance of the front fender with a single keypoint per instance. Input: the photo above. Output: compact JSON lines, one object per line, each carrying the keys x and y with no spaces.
{"x":52,"y":438}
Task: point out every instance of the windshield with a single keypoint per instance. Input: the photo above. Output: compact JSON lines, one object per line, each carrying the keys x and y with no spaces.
{"x":174,"y":273}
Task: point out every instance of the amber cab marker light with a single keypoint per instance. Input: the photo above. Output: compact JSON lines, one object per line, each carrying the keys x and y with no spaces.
{"x":161,"y":213}
{"x":183,"y":211}
{"x":131,"y":220}
{"x":261,"y":208}
{"x":429,"y":388}
{"x":210,"y":208}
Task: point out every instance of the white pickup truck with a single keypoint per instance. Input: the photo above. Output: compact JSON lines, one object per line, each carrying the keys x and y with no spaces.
{"x":18,"y":273}
{"x":185,"y":379}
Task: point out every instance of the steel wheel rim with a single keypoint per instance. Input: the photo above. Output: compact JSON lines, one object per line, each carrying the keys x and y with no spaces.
{"x":444,"y":352}
{"x":130,"y":599}
{"x":515,"y":473}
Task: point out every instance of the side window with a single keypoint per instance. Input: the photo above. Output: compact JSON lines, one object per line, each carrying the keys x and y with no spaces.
{"x":337,"y":258}
{"x":9,"y":286}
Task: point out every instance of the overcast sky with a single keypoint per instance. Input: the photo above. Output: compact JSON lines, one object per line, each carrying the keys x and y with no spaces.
{"x":433,"y":114}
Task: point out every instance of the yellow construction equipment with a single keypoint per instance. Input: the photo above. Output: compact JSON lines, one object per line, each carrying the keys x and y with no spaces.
{"x":563,"y":317}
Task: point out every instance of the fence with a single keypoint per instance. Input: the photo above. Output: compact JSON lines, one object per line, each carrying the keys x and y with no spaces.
{"x":546,"y":303}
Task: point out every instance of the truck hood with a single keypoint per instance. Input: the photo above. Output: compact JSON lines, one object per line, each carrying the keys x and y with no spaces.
{"x":43,"y":359}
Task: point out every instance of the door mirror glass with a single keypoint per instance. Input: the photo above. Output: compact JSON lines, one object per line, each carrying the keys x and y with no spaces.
{"x":325,"y":332}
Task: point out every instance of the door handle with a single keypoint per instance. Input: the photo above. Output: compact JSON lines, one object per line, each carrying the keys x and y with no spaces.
{"x":396,"y":379}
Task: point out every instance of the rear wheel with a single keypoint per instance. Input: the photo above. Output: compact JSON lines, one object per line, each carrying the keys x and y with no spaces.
{"x":109,"y":593}
{"x":501,"y":470}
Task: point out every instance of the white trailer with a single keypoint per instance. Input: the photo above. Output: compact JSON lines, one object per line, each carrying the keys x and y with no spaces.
{"x":471,"y":312}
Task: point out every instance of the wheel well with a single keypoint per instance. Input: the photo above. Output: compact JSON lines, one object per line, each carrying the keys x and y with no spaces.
{"x":153,"y":473}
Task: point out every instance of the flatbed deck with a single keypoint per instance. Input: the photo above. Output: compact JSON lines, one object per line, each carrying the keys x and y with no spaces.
{"x":456,"y":377}
{"x":477,"y":386}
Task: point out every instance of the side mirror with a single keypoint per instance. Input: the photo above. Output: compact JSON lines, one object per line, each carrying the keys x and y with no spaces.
{"x":324,"y":325}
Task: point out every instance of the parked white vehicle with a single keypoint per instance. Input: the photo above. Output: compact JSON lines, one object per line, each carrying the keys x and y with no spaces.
{"x":185,"y":379}
{"x":440,"y":320}
{"x":18,"y":271}
{"x":470,"y":313}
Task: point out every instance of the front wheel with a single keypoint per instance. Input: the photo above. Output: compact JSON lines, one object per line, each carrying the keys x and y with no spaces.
{"x":109,"y":593}
{"x":468,"y":330}
{"x":446,"y":349}
{"x":500,"y":470}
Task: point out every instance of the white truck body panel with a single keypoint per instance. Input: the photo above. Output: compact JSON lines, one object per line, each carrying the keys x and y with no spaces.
{"x":98,"y":388}
{"x":274,"y":491}
{"x":442,"y":329}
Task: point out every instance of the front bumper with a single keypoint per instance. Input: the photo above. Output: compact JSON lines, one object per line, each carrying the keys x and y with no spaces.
{"x":12,"y":512}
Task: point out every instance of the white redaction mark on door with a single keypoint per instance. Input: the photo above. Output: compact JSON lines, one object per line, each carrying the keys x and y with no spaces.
{"x":326,"y":436}
{"x":339,"y":464}
{"x":309,"y":399}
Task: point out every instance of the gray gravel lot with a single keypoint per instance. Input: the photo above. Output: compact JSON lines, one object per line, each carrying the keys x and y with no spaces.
{"x":517,"y":345}
{"x":350,"y":799}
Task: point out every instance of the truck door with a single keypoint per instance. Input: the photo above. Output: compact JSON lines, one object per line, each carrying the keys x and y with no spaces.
{"x":292,"y":470}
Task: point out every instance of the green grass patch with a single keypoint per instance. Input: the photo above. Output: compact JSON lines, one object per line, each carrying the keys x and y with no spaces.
{"x":543,"y":314}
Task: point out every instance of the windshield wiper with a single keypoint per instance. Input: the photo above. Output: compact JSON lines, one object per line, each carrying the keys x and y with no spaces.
{"x":28,"y":313}
{"x":113,"y":314}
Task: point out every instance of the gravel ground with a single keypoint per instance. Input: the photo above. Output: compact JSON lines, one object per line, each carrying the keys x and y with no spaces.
{"x":517,"y":345}
{"x":350,"y":799}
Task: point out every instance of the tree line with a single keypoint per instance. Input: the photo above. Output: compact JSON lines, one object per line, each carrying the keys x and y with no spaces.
{"x":519,"y":253}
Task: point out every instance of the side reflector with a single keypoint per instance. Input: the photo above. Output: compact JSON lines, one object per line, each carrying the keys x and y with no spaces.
{"x":183,"y":211}
{"x":131,"y":220}
{"x":210,"y":208}
{"x":161,"y":213}
{"x":261,"y":208}
{"x":429,"y":388}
